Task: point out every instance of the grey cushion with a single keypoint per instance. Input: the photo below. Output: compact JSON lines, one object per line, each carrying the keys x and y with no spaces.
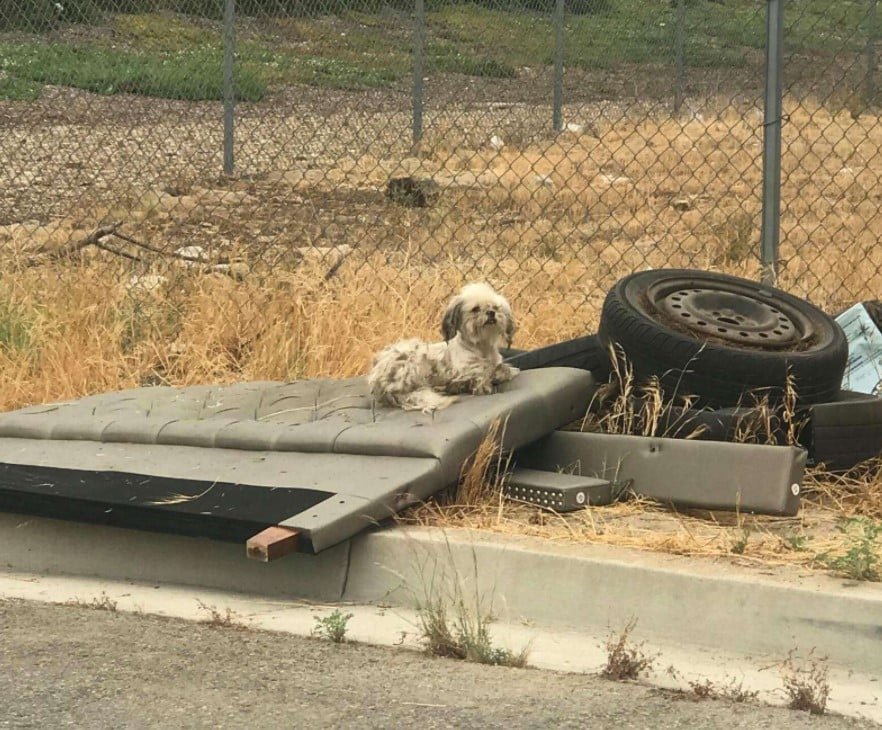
{"x":315,"y":434}
{"x":320,"y":416}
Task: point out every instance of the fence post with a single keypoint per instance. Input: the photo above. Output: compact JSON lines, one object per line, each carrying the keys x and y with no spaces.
{"x":771,"y":217}
{"x":679,"y":50}
{"x":229,"y":90}
{"x":557,"y":101}
{"x":870,"y":83}
{"x":419,"y":47}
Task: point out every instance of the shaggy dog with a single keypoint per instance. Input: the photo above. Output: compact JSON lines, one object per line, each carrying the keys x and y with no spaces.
{"x":423,"y":376}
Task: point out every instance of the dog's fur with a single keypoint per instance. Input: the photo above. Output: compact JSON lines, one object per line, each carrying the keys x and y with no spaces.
{"x":422,"y":376}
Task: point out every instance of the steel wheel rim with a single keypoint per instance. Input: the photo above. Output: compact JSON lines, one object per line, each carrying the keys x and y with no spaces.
{"x":730,"y":312}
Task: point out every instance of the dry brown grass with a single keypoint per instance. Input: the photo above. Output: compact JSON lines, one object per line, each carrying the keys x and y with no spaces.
{"x":556,"y":219}
{"x":626,"y":406}
{"x":857,"y":493}
{"x":748,"y":540}
{"x":88,"y":331}
{"x":833,"y":532}
{"x":99,"y":603}
{"x":483,"y":475}
{"x":640,"y":524}
{"x":624,"y":658}
{"x":805,"y":683}
{"x":226,"y":619}
{"x":212,"y":328}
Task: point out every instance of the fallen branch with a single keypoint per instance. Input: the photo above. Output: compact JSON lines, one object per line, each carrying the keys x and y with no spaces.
{"x":74,"y":247}
{"x":337,"y":264}
{"x":222,"y":264}
{"x":174,"y":254}
{"x":118,"y":252}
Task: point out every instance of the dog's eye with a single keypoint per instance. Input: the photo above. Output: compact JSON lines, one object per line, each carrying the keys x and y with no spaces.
{"x":476,"y":309}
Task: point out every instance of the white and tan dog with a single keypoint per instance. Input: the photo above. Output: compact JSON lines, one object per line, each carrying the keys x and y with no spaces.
{"x":423,"y":376}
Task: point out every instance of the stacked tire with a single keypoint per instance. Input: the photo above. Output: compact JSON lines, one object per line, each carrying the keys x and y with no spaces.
{"x":724,"y":341}
{"x":718,"y":338}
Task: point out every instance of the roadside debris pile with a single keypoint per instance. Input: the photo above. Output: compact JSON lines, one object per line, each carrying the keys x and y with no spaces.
{"x":699,"y":389}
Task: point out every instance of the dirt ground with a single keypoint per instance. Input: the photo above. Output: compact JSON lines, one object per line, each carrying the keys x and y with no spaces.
{"x":630,"y":187}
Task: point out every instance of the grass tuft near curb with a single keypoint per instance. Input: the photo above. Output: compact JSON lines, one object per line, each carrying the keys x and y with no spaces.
{"x":625,"y":659}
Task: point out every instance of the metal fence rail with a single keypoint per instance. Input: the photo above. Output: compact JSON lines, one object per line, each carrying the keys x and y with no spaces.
{"x":553,"y":145}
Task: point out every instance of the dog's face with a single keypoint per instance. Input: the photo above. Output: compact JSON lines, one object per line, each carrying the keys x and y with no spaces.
{"x":480,"y":316}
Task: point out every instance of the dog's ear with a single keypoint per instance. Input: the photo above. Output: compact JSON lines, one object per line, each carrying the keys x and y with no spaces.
{"x":510,"y":330}
{"x":510,"y":326}
{"x":452,"y":319}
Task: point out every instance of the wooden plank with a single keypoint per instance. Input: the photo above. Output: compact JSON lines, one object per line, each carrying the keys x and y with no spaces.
{"x":272,"y":543}
{"x":230,"y":512}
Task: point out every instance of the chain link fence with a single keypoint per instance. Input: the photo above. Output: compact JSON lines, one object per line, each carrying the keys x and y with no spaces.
{"x":176,"y":167}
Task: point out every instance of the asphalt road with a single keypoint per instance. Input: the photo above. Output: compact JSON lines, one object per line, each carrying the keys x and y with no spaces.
{"x":79,"y":667}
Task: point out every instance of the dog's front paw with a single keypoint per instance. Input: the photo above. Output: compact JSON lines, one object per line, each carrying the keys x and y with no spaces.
{"x":482,"y":387}
{"x":505,"y":372}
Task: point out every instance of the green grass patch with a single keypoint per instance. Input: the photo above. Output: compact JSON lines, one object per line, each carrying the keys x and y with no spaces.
{"x":334,"y":73}
{"x":639,"y":32}
{"x":165,"y":33}
{"x":15,"y":328}
{"x":448,"y":58}
{"x":632,"y":32}
{"x":375,"y":43}
{"x":364,"y":45}
{"x":512,"y":39}
{"x":42,"y":15}
{"x":821,"y":26}
{"x":863,"y":558}
{"x":192,"y":75}
{"x":13,"y":88}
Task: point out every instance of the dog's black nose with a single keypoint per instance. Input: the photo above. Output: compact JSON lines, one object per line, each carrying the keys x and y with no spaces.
{"x":491,"y":316}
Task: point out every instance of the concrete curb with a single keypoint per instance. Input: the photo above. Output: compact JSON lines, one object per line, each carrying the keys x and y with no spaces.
{"x":705,"y":604}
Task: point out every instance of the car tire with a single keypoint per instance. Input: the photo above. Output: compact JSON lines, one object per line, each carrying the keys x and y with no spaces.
{"x":839,"y":434}
{"x":846,"y":431}
{"x":718,"y":338}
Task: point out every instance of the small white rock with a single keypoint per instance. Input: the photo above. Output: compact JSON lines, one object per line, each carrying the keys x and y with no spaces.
{"x":544,"y":180}
{"x":145,"y":282}
{"x":192,"y":252}
{"x":613,"y":179}
{"x":496,"y":142}
{"x":575,"y":128}
{"x":177,"y":348}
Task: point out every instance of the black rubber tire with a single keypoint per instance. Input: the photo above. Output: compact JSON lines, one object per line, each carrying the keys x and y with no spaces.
{"x":716,"y":424}
{"x":720,"y":373}
{"x":707,"y":424}
{"x":847,"y":434}
{"x":584,"y":353}
{"x":853,"y":437}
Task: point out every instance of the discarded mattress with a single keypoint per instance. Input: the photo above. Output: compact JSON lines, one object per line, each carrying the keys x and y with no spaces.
{"x":315,"y":456}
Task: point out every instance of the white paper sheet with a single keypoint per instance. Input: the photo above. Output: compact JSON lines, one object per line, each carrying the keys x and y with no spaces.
{"x":863,"y":372}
